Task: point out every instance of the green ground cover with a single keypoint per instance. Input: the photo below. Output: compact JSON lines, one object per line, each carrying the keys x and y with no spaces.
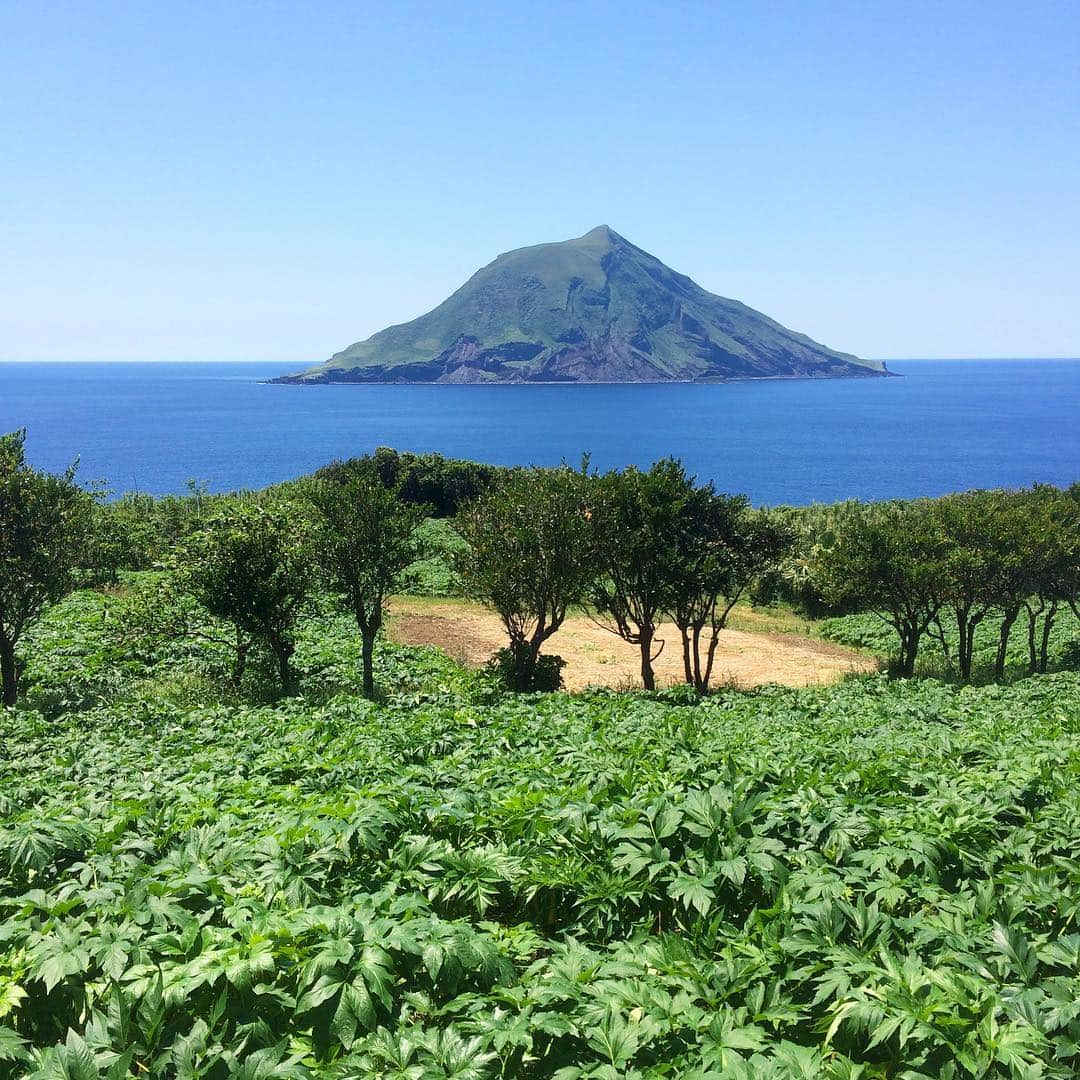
{"x":876,"y":879}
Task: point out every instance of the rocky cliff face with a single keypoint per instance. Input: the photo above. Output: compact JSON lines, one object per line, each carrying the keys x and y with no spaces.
{"x":594,"y":309}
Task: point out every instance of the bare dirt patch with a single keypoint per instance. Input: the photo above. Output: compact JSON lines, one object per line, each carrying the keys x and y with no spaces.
{"x":470,"y":633}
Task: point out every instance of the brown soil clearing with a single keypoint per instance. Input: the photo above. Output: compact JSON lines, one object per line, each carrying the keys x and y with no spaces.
{"x":595,"y":657}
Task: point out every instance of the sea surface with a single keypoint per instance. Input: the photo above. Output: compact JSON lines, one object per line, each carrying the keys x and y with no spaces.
{"x":946,"y":425}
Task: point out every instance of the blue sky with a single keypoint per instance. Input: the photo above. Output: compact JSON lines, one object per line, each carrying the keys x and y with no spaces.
{"x":276,"y":180}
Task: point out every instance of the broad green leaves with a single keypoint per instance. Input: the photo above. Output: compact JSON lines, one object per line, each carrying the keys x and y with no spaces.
{"x":871,"y":880}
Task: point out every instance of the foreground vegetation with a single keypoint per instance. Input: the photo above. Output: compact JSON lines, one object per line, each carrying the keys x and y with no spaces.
{"x":242,"y":836}
{"x":877,"y":879}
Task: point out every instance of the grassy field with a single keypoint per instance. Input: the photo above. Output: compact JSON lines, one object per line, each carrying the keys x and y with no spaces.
{"x":874,"y":879}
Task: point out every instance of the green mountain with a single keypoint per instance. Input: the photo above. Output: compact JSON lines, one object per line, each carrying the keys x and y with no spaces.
{"x":594,"y":309}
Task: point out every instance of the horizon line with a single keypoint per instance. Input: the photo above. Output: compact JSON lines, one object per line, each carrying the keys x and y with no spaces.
{"x":309,"y":363}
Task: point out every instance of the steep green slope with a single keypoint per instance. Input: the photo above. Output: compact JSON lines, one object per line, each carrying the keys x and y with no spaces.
{"x":594,"y":309}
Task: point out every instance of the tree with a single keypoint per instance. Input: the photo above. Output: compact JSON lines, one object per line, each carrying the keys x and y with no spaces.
{"x":1037,"y":570}
{"x":1007,"y":552}
{"x":1023,"y":535}
{"x":125,"y":537}
{"x":637,"y":517}
{"x":1057,"y":572}
{"x":886,"y":558}
{"x":44,"y":527}
{"x":365,"y":539}
{"x":975,"y":552}
{"x":250,"y":565}
{"x":530,"y":556}
{"x":1048,"y":520}
{"x":721,"y":549}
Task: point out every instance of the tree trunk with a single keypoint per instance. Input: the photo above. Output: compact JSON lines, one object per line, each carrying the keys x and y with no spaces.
{"x":528,"y":667}
{"x":369,"y":621}
{"x":283,"y":651}
{"x":909,"y":648}
{"x":1003,"y":642}
{"x":964,"y":636}
{"x":697,"y":658}
{"x":938,"y":633}
{"x":688,"y":671}
{"x":645,"y":641}
{"x":1032,"y":628}
{"x":368,"y":653}
{"x":714,"y":640}
{"x":8,"y":670}
{"x":524,"y":655}
{"x":969,"y":646}
{"x":1044,"y":645}
{"x":966,"y":624}
{"x":240,"y":659}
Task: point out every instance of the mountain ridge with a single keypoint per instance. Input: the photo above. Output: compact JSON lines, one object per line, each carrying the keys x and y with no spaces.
{"x":596,"y":308}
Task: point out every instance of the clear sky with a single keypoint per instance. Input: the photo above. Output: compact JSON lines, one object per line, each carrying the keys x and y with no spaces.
{"x":276,"y":180}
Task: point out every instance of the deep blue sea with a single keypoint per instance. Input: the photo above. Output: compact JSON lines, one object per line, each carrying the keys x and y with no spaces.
{"x":944,"y":426}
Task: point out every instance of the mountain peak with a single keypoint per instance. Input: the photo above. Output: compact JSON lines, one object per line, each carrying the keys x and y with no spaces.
{"x":602,"y":235}
{"x":567,"y":312}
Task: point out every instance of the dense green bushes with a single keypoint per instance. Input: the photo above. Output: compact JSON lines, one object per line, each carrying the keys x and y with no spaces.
{"x":434,"y":573}
{"x":941,"y":568}
{"x":937,"y":657}
{"x":633,"y":546}
{"x":443,"y":484}
{"x":148,"y":642}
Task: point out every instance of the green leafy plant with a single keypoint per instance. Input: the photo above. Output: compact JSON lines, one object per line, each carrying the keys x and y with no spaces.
{"x":547,"y":675}
{"x":874,"y":879}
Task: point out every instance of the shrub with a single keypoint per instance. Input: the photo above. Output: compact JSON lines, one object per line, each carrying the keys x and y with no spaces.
{"x":1070,"y":654}
{"x":530,"y":556}
{"x":546,"y":674}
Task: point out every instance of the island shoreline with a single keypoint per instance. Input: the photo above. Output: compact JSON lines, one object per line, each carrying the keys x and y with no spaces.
{"x":297,"y":380}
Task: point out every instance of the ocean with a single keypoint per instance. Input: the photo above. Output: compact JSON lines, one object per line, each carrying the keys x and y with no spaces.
{"x":946,"y":425}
